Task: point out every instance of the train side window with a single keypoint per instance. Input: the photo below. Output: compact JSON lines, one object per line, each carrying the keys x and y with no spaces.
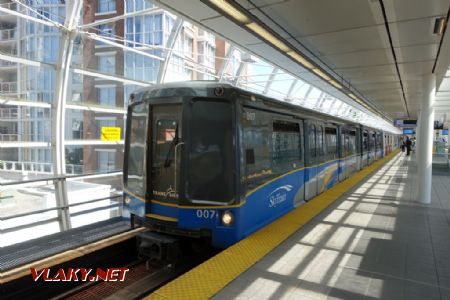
{"x":286,"y":147}
{"x":312,"y":141}
{"x":249,"y":156}
{"x":331,"y":141}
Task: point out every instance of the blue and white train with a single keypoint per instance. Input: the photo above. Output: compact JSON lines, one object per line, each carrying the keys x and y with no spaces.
{"x":210,"y":161}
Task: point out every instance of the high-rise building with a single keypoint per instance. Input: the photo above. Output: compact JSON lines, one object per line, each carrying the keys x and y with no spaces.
{"x":148,"y":32}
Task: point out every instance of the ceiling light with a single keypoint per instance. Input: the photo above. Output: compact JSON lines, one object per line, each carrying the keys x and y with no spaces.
{"x":300,"y":59}
{"x":439,"y":25}
{"x":321,"y":74}
{"x":230,"y":10}
{"x":262,"y":32}
{"x":335,"y":84}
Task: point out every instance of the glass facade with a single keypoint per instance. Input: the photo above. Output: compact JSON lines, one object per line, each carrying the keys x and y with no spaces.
{"x":60,"y":92}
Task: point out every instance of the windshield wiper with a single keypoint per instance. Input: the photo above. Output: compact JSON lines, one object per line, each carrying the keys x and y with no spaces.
{"x":168,"y":161}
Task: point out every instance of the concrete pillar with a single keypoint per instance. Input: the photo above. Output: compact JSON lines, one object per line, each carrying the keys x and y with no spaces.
{"x":426,"y":138}
{"x":418,"y":134}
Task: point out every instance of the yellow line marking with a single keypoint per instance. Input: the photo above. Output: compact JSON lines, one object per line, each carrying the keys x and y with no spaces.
{"x":163,"y":218}
{"x":210,"y":277}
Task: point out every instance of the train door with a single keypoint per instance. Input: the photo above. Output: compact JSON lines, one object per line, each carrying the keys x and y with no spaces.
{"x":379,"y":145}
{"x":331,"y":157}
{"x":343,"y":142}
{"x":352,"y":153}
{"x":287,"y":155}
{"x":372,"y":145}
{"x":321,"y":167}
{"x":311,"y":160}
{"x":365,"y":148}
{"x":358,"y":151}
{"x":166,"y":128}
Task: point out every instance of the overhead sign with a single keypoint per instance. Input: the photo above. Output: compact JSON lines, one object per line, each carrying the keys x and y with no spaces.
{"x":110,"y":134}
{"x":405,"y":123}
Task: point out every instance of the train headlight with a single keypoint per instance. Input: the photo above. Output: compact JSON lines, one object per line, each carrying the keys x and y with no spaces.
{"x":227,"y":218}
{"x":127,"y":200}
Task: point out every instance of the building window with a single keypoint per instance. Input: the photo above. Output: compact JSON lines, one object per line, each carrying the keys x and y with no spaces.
{"x":107,"y":30}
{"x":106,"y":160}
{"x":107,"y":96}
{"x":106,"y":6}
{"x":107,"y":64}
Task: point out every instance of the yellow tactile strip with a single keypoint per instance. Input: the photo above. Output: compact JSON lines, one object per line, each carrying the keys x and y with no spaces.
{"x":210,"y":277}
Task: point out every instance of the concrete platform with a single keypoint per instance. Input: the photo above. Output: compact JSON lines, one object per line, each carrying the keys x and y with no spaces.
{"x":375,"y":242}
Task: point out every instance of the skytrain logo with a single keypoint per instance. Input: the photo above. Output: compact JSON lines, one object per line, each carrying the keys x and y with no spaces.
{"x":279,"y":195}
{"x":80,"y":274}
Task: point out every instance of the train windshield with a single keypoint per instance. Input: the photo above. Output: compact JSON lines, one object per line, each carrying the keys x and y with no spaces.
{"x":210,"y":152}
{"x":166,"y":136}
{"x":135,"y":159}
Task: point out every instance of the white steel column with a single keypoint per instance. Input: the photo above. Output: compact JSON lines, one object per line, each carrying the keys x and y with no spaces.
{"x":68,"y":33}
{"x":426,"y":138}
{"x":176,"y":29}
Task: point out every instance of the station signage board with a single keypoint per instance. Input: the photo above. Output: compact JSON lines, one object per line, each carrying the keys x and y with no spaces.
{"x":110,"y":134}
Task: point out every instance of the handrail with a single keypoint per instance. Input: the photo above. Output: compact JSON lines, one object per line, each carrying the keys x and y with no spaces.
{"x":59,"y":177}
{"x":56,"y":208}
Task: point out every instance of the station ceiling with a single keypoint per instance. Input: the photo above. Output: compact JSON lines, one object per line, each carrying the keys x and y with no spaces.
{"x":379,"y":49}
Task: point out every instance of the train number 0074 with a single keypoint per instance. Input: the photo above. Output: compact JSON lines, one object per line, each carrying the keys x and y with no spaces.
{"x":206,"y":213}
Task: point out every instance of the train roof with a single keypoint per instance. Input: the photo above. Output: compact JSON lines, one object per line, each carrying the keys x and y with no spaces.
{"x":206,"y":88}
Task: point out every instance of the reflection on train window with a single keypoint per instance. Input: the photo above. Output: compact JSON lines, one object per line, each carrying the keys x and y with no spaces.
{"x":211,"y":152}
{"x":312,"y":142}
{"x":165,"y":135}
{"x":286,"y":147}
{"x":331,"y":141}
{"x":135,"y":159}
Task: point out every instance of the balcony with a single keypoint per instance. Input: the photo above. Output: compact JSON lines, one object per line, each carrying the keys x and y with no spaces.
{"x":7,"y":35}
{"x":9,"y":113}
{"x":9,"y":137}
{"x":37,"y":167}
{"x":5,"y":64}
{"x":11,"y":6}
{"x":8,"y":87}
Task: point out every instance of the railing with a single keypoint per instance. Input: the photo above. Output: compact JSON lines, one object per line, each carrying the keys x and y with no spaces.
{"x":9,"y":113}
{"x":9,"y":137}
{"x":7,"y":34}
{"x":71,"y":196}
{"x":8,"y":87}
{"x":7,"y":63}
{"x":11,"y":6}
{"x":37,"y":167}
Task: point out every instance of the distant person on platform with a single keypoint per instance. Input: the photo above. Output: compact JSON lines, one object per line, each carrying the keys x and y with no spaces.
{"x":403,"y":145}
{"x":408,"y":146}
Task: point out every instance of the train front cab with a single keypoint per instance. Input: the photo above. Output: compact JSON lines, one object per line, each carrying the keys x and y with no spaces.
{"x":179,"y":174}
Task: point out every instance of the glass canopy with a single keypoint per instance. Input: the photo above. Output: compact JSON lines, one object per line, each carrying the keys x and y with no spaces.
{"x":67,"y":69}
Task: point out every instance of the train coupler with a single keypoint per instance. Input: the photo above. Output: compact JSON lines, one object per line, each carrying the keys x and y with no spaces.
{"x":153,"y":246}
